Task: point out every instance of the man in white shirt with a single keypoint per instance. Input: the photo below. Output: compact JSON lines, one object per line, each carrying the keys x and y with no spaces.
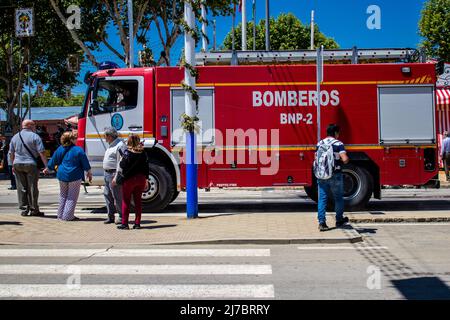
{"x":112,"y":193}
{"x":445,"y":154}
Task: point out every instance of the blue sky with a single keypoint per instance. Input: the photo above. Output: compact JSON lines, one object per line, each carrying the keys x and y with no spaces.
{"x":345,"y":21}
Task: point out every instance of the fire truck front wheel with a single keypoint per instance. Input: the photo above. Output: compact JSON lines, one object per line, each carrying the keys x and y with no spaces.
{"x":160,"y":189}
{"x":358,"y":188}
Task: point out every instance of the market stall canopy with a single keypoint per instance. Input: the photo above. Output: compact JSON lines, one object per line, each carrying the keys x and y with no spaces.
{"x":442,"y":98}
{"x":443,"y":109}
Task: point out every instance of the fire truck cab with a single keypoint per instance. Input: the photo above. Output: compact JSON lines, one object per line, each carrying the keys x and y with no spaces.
{"x":258,"y":123}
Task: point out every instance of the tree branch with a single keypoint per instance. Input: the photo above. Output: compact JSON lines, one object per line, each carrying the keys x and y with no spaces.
{"x":74,"y":35}
{"x":137,"y":23}
{"x":110,"y":47}
{"x":123,"y":37}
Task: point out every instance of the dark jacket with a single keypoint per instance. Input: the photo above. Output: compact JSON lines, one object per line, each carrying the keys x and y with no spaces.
{"x":133,"y":164}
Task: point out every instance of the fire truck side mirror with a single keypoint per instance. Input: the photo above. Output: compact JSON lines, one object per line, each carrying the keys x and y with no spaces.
{"x":93,"y":108}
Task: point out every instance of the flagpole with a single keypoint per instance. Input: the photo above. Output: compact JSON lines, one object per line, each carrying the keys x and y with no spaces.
{"x":312,"y":30}
{"x":232,"y":28}
{"x":204,"y":27}
{"x":130,"y":33}
{"x":214,"y":34}
{"x":244,"y":25}
{"x":267,"y":26}
{"x":254,"y":25}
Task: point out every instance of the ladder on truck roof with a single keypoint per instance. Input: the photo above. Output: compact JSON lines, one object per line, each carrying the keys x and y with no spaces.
{"x":353,"y":56}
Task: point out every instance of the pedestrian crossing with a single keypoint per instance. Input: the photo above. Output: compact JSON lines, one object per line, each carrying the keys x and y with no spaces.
{"x":125,"y":273}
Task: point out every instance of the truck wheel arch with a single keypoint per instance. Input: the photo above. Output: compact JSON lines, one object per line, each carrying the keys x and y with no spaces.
{"x":163,"y":155}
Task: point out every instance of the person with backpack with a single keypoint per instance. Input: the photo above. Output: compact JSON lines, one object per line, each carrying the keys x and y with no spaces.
{"x":70,"y":162}
{"x":329,"y":159}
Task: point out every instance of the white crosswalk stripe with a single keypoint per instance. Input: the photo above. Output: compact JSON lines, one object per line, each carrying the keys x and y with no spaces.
{"x":110,"y":269}
{"x":137,"y":291}
{"x":15,"y":268}
{"x":135,"y":252}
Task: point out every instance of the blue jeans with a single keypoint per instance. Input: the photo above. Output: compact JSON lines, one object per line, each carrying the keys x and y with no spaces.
{"x":335,"y":187}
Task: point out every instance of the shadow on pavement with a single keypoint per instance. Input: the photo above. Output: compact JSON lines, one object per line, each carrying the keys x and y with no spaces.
{"x":148,"y":221}
{"x":243,"y":207}
{"x":10,"y":223}
{"x":160,"y":226}
{"x":375,"y":207}
{"x":366,"y":230}
{"x":423,"y":288}
{"x":95,"y":210}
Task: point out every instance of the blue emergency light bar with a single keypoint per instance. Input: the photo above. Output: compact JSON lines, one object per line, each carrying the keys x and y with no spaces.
{"x":108,"y":65}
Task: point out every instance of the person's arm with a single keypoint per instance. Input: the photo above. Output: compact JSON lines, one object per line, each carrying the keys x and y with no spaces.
{"x":124,"y":162}
{"x":86,"y":165}
{"x":344,"y":157}
{"x":51,"y":163}
{"x":41,"y":149}
{"x":343,"y":154}
{"x":444,"y":149}
{"x":121,"y":163}
{"x":12,"y":153}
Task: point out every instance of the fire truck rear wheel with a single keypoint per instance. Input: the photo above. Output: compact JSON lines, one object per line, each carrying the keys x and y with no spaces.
{"x":161,"y":188}
{"x":358,"y":188}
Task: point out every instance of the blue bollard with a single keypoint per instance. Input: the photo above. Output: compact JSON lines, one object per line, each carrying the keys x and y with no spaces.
{"x":191,"y":176}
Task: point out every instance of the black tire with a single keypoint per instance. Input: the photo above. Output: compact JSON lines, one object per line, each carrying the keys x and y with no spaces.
{"x":161,"y":188}
{"x":358,"y":188}
{"x":311,"y":192}
{"x":175,"y":196}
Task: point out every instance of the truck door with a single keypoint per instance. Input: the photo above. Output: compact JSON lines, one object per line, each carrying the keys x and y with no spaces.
{"x":206,"y":132}
{"x":116,"y":102}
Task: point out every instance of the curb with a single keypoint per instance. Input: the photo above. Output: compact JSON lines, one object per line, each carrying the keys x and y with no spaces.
{"x":267,"y":241}
{"x":215,"y":242}
{"x":396,"y":220}
{"x":353,"y":237}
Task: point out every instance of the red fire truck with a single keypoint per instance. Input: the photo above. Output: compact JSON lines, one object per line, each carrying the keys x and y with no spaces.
{"x":258,"y":120}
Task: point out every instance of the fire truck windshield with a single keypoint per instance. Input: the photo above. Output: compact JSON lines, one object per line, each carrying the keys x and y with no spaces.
{"x":115,"y":96}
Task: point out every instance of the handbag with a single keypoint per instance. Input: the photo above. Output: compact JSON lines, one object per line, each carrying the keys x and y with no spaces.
{"x":120,"y":177}
{"x":39,"y":163}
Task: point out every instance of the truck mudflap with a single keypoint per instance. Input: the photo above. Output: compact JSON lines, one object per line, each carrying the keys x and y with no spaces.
{"x":434,"y":183}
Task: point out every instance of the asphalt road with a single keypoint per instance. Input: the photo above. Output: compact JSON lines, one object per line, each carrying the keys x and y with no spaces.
{"x":396,"y":261}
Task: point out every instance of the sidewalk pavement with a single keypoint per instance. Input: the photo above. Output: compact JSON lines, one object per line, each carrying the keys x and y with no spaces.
{"x":218,"y":229}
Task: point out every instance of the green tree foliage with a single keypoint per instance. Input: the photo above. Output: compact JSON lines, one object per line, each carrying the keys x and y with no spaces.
{"x":48,"y":99}
{"x":46,"y":52}
{"x":286,"y":33}
{"x":164,"y":15}
{"x":434,"y":27}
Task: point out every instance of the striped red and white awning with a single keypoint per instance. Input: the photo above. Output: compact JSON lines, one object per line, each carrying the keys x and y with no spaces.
{"x":443,"y":109}
{"x":442,"y":98}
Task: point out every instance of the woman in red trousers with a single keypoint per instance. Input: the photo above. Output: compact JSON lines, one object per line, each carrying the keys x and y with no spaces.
{"x":134,"y":168}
